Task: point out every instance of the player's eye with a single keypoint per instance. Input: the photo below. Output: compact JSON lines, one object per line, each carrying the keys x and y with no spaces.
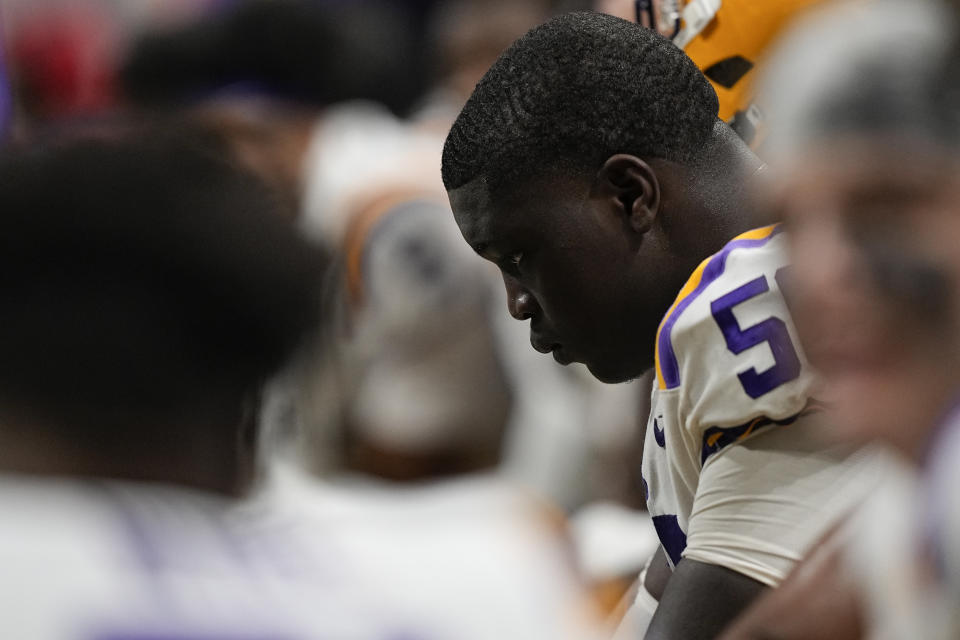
{"x":515,"y":260}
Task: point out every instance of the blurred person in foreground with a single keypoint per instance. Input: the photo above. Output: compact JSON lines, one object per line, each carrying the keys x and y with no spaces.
{"x":866,"y":147}
{"x":148,"y":289}
{"x":589,"y":165}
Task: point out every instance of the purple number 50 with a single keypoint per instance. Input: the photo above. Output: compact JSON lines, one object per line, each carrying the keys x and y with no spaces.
{"x":773,"y":331}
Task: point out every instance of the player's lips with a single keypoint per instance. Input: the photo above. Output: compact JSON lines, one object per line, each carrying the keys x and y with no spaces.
{"x":544,"y":345}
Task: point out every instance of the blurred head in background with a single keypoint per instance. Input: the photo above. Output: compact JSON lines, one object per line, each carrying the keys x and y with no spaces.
{"x":149,"y":289}
{"x":409,"y":384}
{"x":262,"y":72}
{"x":865,"y":147}
{"x":467,"y":36}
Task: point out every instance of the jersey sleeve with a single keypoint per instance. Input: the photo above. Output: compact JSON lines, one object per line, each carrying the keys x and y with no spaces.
{"x":732,"y":478}
{"x":729,"y":349}
{"x":763,"y":504}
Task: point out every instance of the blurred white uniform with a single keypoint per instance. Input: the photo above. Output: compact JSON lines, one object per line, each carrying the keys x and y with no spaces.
{"x":902,"y":547}
{"x":881,"y":548}
{"x":102,"y":560}
{"x":470,"y":558}
{"x":735,"y":474}
{"x":940,"y":524}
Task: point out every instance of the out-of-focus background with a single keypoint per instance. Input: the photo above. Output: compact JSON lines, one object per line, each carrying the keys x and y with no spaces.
{"x":341,"y":107}
{"x":417,"y":434}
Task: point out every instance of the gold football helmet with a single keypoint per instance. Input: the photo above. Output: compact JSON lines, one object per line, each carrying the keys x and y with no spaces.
{"x":725,"y":38}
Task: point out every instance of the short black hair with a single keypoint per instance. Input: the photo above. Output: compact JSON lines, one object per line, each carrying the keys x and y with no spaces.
{"x":143,"y":280}
{"x":574,"y":91}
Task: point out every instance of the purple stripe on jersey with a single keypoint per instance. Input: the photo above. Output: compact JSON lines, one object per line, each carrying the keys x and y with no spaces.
{"x":6,"y":94}
{"x":939,"y":487}
{"x":669,"y":367}
{"x":725,"y":436}
{"x":672,"y":537}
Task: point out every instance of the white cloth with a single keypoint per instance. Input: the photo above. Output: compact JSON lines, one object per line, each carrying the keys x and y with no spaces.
{"x":762,"y":505}
{"x":471,"y":558}
{"x":98,"y":560}
{"x":901,"y":547}
{"x":358,"y":147}
{"x":638,"y":617}
{"x":881,"y":549}
{"x":735,"y":476}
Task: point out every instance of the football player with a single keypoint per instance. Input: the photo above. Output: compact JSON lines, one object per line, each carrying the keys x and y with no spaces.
{"x":590,"y":166}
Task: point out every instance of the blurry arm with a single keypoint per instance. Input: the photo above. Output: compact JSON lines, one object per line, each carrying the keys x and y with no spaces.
{"x":643,"y":596}
{"x":700,"y":600}
{"x":817,"y":601}
{"x":657,"y":574}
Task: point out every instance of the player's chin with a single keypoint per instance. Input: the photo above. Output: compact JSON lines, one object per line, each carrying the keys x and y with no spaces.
{"x":612,"y":373}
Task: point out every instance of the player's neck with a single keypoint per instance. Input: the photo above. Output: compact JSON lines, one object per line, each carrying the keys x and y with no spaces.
{"x":166,"y":460}
{"x":727,"y":172}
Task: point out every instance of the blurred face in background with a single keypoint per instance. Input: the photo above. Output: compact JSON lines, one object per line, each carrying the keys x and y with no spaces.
{"x":875,"y":236}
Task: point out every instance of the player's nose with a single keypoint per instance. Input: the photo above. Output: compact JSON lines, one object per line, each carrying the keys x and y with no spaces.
{"x":520,"y":302}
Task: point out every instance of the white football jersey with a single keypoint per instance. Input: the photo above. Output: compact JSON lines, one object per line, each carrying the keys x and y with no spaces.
{"x":101,"y":560}
{"x":469,"y":558}
{"x":730,"y":479}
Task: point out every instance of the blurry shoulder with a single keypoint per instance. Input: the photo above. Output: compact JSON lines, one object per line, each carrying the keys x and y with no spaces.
{"x":465,"y":501}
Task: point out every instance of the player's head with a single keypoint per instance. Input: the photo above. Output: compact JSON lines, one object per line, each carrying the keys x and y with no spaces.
{"x":147,"y":290}
{"x":866,"y":139}
{"x":575,"y":166}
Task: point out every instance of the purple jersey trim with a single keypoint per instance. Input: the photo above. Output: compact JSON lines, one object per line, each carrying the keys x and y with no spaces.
{"x":716,"y":439}
{"x":669,"y":368}
{"x":6,"y":93}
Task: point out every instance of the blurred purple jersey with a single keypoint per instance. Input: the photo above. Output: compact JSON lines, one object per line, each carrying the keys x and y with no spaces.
{"x":6,"y":95}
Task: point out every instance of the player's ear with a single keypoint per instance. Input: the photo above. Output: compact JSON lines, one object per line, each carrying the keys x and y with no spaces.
{"x":629,"y":185}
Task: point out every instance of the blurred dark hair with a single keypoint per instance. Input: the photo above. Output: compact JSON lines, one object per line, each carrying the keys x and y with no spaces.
{"x":317,"y":53}
{"x":143,"y":280}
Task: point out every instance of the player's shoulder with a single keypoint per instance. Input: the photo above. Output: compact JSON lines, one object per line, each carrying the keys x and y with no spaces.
{"x":728,"y":340}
